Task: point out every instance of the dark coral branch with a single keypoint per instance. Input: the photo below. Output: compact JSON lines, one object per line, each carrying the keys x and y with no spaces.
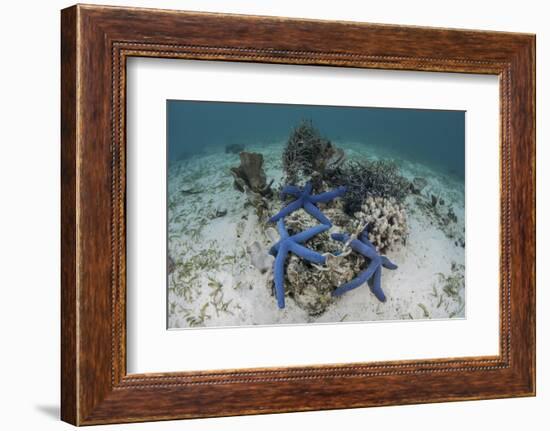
{"x":377,"y":178}
{"x":307,"y":152}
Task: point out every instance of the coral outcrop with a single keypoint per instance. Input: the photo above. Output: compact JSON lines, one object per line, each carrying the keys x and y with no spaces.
{"x":332,"y":271}
{"x":386,"y":221}
{"x":376,"y":178}
{"x":311,"y":286}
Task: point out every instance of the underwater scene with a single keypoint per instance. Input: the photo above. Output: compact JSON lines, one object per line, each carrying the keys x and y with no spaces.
{"x":296,"y":214}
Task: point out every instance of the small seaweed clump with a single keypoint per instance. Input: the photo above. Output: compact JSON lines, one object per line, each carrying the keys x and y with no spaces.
{"x":386,"y":222}
{"x":307,"y":153}
{"x":311,"y":286}
{"x":453,"y":287}
{"x":376,"y":178}
{"x":442,"y":215}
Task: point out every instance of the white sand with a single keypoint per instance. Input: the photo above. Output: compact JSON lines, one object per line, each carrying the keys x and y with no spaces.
{"x":215,"y":285}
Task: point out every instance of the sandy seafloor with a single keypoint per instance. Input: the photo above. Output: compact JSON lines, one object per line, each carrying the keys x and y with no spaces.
{"x":214,"y":284}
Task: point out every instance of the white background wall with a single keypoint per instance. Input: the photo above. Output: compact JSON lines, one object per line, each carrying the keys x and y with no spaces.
{"x":29,"y":214}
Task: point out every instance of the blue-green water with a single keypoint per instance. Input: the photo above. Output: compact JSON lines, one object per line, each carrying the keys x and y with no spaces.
{"x":433,"y":137}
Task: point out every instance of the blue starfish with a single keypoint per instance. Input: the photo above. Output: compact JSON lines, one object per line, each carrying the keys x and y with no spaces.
{"x":373,"y":272}
{"x":288,"y":244}
{"x":307,"y":201}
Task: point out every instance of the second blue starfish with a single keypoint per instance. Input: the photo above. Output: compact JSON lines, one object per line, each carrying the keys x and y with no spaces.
{"x":292,"y":244}
{"x":373,"y":272}
{"x":307,"y":201}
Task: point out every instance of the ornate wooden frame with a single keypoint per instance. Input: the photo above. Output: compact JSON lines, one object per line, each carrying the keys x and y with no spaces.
{"x":95,"y":43}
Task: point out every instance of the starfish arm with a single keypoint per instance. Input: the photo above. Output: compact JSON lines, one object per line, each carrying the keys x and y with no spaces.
{"x":386,"y":263}
{"x":315,"y":212}
{"x":342,"y":237}
{"x":361,"y":278}
{"x":309,"y":233}
{"x":328,"y":196}
{"x":375,"y":285}
{"x":308,"y":188}
{"x":353,"y":284}
{"x":307,"y":254}
{"x":364,"y":236}
{"x":290,"y":208}
{"x":282,"y":229}
{"x":275,"y":248}
{"x":279,"y":275}
{"x":290,"y":190}
{"x":365,"y":250}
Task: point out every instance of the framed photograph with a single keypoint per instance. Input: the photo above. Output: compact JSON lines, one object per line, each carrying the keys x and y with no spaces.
{"x":266,"y":215}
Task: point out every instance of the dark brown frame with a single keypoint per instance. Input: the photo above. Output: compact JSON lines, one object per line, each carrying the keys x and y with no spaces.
{"x":95,"y":43}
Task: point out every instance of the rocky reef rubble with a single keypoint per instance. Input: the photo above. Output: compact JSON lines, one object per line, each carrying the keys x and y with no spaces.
{"x":312,"y":287}
{"x":314,"y":284}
